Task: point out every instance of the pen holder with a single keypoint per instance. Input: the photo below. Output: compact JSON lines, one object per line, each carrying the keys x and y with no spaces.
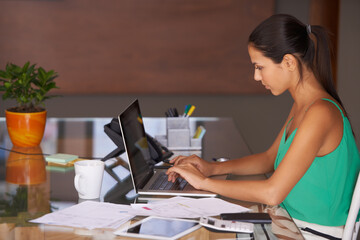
{"x":177,"y":123}
{"x":178,"y":132}
{"x":180,"y":138}
{"x":196,"y":142}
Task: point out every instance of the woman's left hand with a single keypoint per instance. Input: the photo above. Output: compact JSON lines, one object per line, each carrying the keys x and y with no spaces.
{"x":189,"y":172}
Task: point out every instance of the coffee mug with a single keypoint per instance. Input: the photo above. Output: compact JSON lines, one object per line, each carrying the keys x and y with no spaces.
{"x":88,"y":178}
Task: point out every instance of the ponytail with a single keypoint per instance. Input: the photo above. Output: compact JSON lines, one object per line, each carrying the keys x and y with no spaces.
{"x":322,"y":63}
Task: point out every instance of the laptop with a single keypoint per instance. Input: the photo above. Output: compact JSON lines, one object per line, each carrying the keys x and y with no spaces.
{"x":145,"y":177}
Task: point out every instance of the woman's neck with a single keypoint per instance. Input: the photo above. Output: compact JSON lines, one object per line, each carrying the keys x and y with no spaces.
{"x":307,"y":90}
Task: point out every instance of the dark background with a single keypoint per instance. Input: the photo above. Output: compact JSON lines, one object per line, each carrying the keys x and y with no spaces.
{"x":169,"y":54}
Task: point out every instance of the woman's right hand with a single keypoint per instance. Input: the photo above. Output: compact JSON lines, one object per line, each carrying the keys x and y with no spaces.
{"x":203,"y":166}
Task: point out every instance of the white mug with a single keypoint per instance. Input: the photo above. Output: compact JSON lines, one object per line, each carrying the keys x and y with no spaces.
{"x":88,"y":178}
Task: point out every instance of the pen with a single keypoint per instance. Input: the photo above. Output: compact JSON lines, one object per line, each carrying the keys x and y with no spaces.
{"x":202,"y":133}
{"x":172,"y":112}
{"x":176,"y":114}
{"x":187,"y":107}
{"x":191,"y":110}
{"x":198,"y":131}
{"x":169,"y":113}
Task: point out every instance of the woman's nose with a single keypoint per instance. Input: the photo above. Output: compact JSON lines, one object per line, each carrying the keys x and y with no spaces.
{"x":257,"y":76}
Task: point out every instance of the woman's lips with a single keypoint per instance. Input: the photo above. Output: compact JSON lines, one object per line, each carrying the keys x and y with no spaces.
{"x":266,"y":86}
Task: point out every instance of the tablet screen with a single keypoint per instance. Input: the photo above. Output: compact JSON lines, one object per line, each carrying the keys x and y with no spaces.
{"x":162,"y":227}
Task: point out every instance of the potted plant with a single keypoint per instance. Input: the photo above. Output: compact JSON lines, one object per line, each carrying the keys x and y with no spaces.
{"x":29,"y":86}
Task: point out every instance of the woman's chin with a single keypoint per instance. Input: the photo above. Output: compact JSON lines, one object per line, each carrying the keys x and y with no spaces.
{"x":275,"y":93}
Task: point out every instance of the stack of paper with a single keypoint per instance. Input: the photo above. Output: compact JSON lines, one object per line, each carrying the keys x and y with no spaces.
{"x":90,"y":215}
{"x":61,"y":159}
{"x":182,"y":207}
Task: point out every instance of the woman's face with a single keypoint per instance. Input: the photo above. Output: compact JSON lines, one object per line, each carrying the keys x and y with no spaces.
{"x":271,"y":75}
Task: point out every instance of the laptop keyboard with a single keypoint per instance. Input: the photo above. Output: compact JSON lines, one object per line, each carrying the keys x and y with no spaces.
{"x":162,"y":183}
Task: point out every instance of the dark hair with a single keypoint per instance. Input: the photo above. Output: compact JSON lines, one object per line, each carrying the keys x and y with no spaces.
{"x":283,"y":34}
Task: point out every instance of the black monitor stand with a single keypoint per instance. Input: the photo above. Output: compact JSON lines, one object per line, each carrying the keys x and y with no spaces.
{"x":112,"y":129}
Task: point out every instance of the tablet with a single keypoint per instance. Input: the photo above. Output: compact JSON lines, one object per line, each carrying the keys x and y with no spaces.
{"x":159,"y":228}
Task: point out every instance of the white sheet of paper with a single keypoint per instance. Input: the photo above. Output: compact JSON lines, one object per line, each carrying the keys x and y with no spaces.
{"x":182,"y":207}
{"x":90,"y":215}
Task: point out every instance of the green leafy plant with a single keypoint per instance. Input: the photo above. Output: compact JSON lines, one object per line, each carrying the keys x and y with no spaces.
{"x":28,"y":85}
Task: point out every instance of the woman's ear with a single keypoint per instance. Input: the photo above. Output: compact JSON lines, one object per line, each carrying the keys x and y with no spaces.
{"x":289,"y":62}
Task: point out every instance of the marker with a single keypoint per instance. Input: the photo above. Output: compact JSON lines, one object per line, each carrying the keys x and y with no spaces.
{"x":187,"y":108}
{"x":176,"y":112}
{"x":198,"y":131}
{"x":192,"y":108}
{"x":202,"y":133}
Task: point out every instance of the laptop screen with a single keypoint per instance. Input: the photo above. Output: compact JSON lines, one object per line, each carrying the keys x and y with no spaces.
{"x":136,"y":144}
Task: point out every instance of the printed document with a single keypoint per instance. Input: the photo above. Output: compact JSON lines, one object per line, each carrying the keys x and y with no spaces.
{"x":90,"y":215}
{"x":182,"y":207}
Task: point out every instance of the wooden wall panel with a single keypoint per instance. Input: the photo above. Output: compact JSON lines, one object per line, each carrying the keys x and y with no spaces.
{"x":136,"y":46}
{"x":326,"y":13}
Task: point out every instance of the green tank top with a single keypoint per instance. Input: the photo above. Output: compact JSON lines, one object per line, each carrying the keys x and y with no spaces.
{"x":323,"y":195}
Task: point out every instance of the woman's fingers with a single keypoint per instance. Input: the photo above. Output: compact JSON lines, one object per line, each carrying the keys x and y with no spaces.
{"x":187,"y":171}
{"x":177,"y":160}
{"x":172,"y":174}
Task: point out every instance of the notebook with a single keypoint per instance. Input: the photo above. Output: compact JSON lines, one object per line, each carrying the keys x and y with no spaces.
{"x":143,"y":173}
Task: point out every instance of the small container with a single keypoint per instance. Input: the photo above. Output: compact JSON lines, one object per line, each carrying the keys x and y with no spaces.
{"x":196,"y":142}
{"x":177,"y":123}
{"x":179,"y":138}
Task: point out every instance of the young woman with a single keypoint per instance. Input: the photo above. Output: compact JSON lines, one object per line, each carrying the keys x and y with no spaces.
{"x":314,"y":157}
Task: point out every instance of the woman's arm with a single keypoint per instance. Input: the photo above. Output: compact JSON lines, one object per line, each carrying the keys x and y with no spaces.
{"x":259,"y":163}
{"x":253,"y":164}
{"x":318,"y":123}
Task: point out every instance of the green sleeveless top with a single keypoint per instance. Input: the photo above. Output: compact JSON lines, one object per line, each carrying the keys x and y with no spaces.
{"x":323,"y":195}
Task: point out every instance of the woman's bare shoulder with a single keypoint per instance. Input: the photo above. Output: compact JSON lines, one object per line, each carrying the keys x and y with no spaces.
{"x":325,"y":111}
{"x":322,"y":126}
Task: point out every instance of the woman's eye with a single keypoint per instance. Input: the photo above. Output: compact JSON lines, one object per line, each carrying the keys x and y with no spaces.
{"x":258,"y":67}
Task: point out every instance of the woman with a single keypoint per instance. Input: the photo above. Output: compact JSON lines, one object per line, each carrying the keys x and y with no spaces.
{"x":314,"y":157}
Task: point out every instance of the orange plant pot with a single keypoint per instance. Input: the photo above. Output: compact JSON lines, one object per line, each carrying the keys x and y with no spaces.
{"x":25,"y":129}
{"x":26,"y":169}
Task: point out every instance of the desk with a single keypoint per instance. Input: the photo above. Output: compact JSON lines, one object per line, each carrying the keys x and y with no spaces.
{"x":31,"y":189}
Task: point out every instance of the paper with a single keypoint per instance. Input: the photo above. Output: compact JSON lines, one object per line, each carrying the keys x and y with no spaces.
{"x":61,"y":158}
{"x":90,"y":215}
{"x":181,"y":207}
